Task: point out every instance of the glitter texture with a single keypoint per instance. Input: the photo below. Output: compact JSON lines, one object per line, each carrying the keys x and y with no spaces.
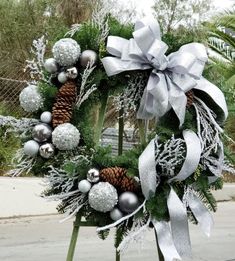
{"x":66,"y":51}
{"x":66,"y":136}
{"x":30,"y":99}
{"x":103,"y":197}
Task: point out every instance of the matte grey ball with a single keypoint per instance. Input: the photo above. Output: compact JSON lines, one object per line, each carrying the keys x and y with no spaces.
{"x":88,"y":56}
{"x":31,"y":148}
{"x":66,"y":51}
{"x":128,"y":202}
{"x":93,"y":175}
{"x":72,"y":73}
{"x":51,"y":65}
{"x":62,"y":77}
{"x":46,"y":117}
{"x":84,"y":186}
{"x":47,"y":150}
{"x":116,"y":214}
{"x":42,"y":132}
{"x":103,"y":197}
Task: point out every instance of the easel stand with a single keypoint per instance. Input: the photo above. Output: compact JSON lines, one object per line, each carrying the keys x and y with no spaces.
{"x":77,"y":224}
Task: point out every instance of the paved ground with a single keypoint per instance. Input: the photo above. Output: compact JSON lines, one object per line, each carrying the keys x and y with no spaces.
{"x":45,"y":239}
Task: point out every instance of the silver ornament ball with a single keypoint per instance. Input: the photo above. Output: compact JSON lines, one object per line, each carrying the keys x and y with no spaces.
{"x":47,"y":150}
{"x":128,"y":202}
{"x":88,"y":56}
{"x":93,"y":175}
{"x":46,"y":117}
{"x":42,"y":132}
{"x":72,"y":73}
{"x":116,"y":214}
{"x":103,"y":197}
{"x":31,"y":148}
{"x":51,"y":65}
{"x":31,"y":99}
{"x":62,"y":77}
{"x":66,"y":51}
{"x":65,"y":136}
{"x":84,"y":186}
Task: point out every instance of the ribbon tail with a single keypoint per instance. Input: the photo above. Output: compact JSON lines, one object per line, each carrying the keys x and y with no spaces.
{"x":201,"y":213}
{"x":193,"y":155}
{"x":147,"y":170}
{"x":179,"y":224}
{"x":165,"y":240}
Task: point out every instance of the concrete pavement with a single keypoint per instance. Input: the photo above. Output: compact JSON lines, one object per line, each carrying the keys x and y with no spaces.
{"x":45,"y":239}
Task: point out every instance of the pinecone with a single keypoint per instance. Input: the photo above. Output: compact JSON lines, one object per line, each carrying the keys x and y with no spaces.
{"x":63,"y":107}
{"x":190,"y":98}
{"x":118,"y":178}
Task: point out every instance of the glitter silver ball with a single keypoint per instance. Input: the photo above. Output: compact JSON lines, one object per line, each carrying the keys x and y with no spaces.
{"x":31,"y":99}
{"x":88,"y":56}
{"x":47,"y":150}
{"x":42,"y":132}
{"x":93,"y":175}
{"x":103,"y":197}
{"x":62,"y":77}
{"x":51,"y":65}
{"x":84,"y":186}
{"x":65,"y":136}
{"x":128,"y":202}
{"x":66,"y":51}
{"x":72,"y":73}
{"x":116,"y":214}
{"x":46,"y":117}
{"x":31,"y":148}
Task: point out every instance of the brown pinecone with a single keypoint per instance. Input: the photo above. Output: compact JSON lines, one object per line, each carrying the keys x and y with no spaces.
{"x":63,"y":107}
{"x":118,"y":178}
{"x":190,"y":98}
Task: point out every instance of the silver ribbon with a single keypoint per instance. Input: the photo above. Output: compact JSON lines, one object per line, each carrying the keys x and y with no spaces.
{"x":171,"y":77}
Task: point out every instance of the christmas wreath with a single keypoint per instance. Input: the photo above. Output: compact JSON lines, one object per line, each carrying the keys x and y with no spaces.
{"x":167,"y":177}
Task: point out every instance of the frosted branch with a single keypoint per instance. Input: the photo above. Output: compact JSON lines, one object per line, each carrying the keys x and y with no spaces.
{"x":74,"y":29}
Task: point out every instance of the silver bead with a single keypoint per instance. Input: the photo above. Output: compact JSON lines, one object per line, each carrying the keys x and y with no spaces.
{"x":51,"y":65}
{"x":31,"y":99}
{"x":65,"y":136}
{"x":72,"y":73}
{"x":88,"y":56}
{"x":128,"y":202}
{"x":103,"y":197}
{"x":93,"y":175}
{"x":31,"y":148}
{"x":66,"y":51}
{"x":46,"y":117}
{"x":62,"y":77}
{"x":116,"y":214}
{"x":84,"y":186}
{"x":42,"y":132}
{"x":47,"y":150}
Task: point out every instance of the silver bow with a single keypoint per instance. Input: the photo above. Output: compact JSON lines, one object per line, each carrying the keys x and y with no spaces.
{"x":173,"y":238}
{"x":171,"y":76}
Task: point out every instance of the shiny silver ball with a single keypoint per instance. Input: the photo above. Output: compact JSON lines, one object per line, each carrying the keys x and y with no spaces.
{"x":116,"y":214}
{"x":128,"y":202}
{"x":88,"y":56}
{"x":62,"y":77}
{"x":46,"y":117}
{"x":93,"y":175}
{"x":42,"y":132}
{"x":31,"y":148}
{"x":31,"y":99}
{"x":66,"y":51}
{"x":51,"y":65}
{"x":84,"y":186}
{"x":47,"y":150}
{"x":66,"y":136}
{"x":72,"y":73}
{"x":103,"y":197}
